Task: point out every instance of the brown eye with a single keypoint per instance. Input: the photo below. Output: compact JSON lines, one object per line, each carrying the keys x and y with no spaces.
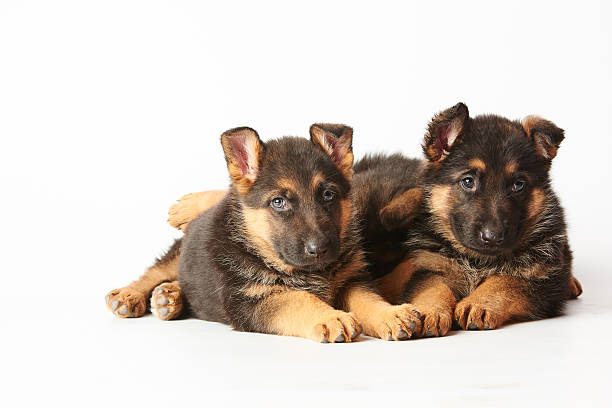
{"x":328,"y":195}
{"x":518,"y":186}
{"x":279,"y":204}
{"x":468,"y":183}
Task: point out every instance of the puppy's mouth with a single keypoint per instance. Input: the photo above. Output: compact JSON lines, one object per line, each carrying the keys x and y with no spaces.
{"x":492,"y":250}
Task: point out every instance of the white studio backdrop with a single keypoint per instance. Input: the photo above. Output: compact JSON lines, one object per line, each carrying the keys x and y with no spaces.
{"x":111,"y":110}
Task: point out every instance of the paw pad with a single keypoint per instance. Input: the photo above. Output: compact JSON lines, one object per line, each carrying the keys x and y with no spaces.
{"x":126,"y":302}
{"x":167,"y":301}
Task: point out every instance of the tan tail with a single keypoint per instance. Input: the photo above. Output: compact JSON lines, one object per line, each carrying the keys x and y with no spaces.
{"x":191,"y":205}
{"x":575,"y":288}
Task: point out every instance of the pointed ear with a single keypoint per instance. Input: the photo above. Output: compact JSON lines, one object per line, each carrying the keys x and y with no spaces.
{"x":243,"y":150}
{"x":544,"y":134}
{"x":445,"y":130}
{"x":337,"y":142}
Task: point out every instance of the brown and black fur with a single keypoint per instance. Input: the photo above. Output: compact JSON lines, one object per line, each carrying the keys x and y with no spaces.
{"x":297,"y":270}
{"x":385,"y":198}
{"x":415,"y":250}
{"x":503,"y":254}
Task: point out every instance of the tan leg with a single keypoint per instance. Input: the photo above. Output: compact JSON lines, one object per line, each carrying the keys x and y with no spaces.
{"x":381,"y":319}
{"x":393,"y":284}
{"x":495,"y":301}
{"x":191,"y":205}
{"x":167,"y":301}
{"x":301,"y":314}
{"x":436,"y":303}
{"x":131,"y":301}
{"x":432,"y":297}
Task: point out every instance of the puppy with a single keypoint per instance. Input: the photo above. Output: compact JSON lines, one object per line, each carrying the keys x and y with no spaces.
{"x":280,"y":253}
{"x":491,"y":232}
{"x":443,"y":251}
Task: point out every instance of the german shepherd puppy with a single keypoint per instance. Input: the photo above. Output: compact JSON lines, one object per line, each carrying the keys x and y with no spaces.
{"x":491,"y":233}
{"x":280,"y":253}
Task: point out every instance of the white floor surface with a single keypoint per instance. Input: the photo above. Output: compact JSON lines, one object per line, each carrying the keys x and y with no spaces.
{"x":76,"y":352}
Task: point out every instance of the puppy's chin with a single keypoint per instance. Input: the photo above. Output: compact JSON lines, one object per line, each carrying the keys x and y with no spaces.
{"x":313,"y":264}
{"x":487,"y":251}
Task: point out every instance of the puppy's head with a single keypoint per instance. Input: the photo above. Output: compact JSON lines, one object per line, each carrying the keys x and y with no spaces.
{"x":487,"y":177}
{"x":294,"y":193}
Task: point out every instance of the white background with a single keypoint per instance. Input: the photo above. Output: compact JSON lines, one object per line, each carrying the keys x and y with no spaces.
{"x":111,"y":110}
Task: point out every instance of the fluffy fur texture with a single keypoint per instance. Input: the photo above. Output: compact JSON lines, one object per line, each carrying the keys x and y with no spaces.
{"x":434,"y":255}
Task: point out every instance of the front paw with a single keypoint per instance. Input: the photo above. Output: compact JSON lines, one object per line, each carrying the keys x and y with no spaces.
{"x":399,"y":322}
{"x":437,"y":321}
{"x":336,"y":326}
{"x":476,"y":316}
{"x":126,"y":302}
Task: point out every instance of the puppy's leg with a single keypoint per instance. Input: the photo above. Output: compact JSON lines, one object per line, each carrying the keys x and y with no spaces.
{"x":167,"y":301}
{"x":379,"y":318}
{"x":393,"y":284}
{"x":301,"y":314}
{"x":428,"y":292}
{"x":435,"y":301}
{"x":131,"y":301}
{"x":191,"y":205}
{"x":495,"y":301}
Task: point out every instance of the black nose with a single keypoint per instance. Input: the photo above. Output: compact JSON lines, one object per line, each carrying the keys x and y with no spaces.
{"x":317,"y":247}
{"x":492,"y":236}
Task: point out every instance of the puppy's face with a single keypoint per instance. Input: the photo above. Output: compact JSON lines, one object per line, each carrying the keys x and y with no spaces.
{"x":297,"y":209}
{"x":487,"y":186}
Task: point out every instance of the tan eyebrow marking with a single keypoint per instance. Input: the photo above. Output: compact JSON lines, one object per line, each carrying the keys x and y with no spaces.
{"x":477,"y":163}
{"x":511,"y":168}
{"x":286,"y":184}
{"x":317,"y":179}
